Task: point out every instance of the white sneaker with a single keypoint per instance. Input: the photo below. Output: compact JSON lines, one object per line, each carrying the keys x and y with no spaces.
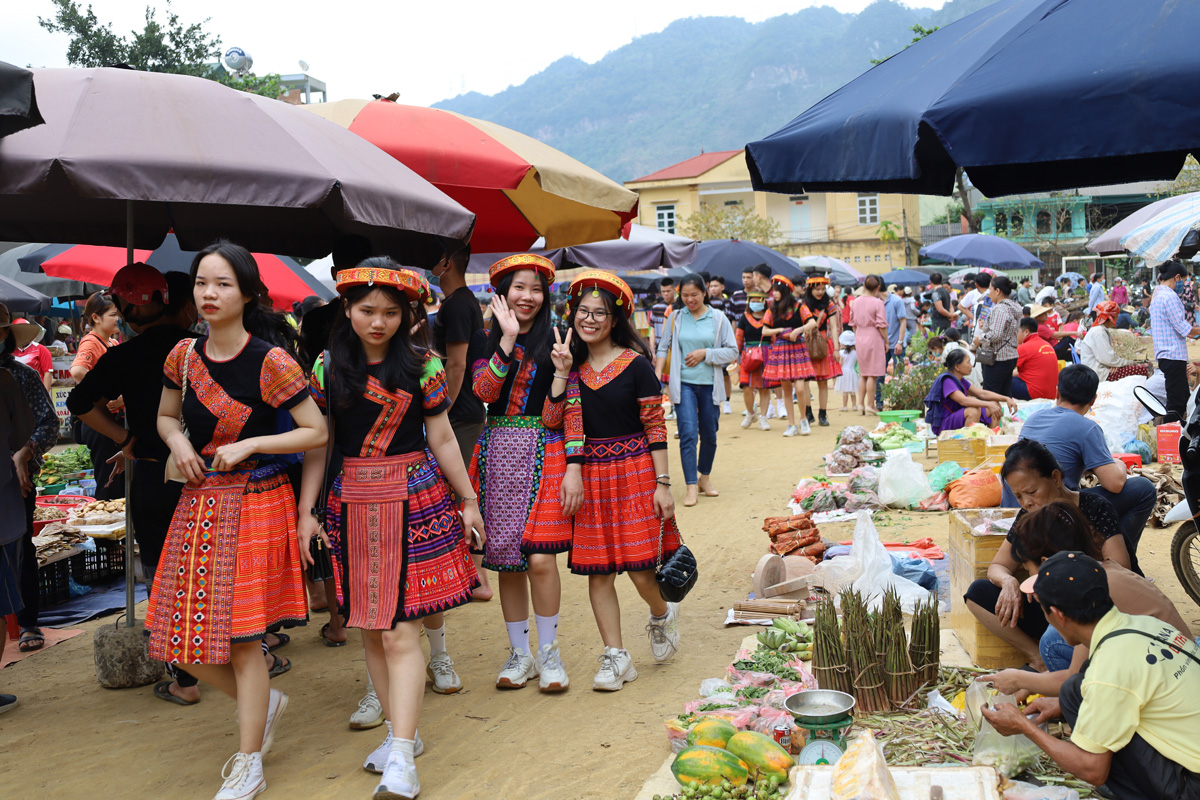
{"x":782,"y":412}
{"x":243,"y":776}
{"x":763,"y":425}
{"x":517,"y":671}
{"x":275,"y":708}
{"x":725,"y":408}
{"x":664,"y":634}
{"x":805,"y":429}
{"x":616,"y":669}
{"x":377,"y":761}
{"x":553,"y":675}
{"x":369,"y":714}
{"x":399,"y":780}
{"x":441,"y":672}
{"x":745,"y":413}
{"x":749,"y":420}
{"x":670,"y":414}
{"x":792,"y":430}
{"x":770,"y":412}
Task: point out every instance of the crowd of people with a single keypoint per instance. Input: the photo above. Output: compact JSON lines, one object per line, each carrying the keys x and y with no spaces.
{"x":262,"y":456}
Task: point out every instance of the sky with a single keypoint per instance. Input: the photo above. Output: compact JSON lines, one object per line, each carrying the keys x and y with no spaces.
{"x":426,"y":51}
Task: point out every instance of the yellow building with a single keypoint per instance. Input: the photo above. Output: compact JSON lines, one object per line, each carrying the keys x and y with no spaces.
{"x":843,"y":225}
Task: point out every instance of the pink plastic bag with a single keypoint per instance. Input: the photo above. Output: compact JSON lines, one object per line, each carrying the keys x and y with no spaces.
{"x":740,"y":718}
{"x":768,"y":718}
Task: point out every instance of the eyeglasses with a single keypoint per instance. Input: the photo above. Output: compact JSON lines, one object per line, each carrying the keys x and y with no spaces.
{"x":599,"y":315}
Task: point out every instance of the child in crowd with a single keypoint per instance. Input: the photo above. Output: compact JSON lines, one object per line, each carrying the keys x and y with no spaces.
{"x":847,"y":382}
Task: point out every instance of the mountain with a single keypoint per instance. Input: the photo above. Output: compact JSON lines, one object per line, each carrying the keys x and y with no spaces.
{"x":703,"y":83}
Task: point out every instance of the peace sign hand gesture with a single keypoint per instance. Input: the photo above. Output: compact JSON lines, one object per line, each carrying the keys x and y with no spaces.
{"x":505,"y":317}
{"x":560,"y":354}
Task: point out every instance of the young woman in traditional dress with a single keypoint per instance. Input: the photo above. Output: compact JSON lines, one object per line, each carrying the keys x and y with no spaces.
{"x":404,"y":549}
{"x":230,"y":568}
{"x":617,"y":484}
{"x":820,"y":314}
{"x":753,"y":346}
{"x":787,"y":359}
{"x":518,"y":467}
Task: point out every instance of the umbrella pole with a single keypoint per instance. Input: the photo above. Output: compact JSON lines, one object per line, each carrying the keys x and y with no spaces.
{"x":129,"y":582}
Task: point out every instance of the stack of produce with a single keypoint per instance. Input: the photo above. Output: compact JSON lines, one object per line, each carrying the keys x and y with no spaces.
{"x":45,"y":513}
{"x":893,"y":436}
{"x":56,"y":538}
{"x":787,"y":635}
{"x":829,"y":655}
{"x":924,"y":647}
{"x":870,"y":689}
{"x":795,"y":535}
{"x":722,"y":762}
{"x":852,"y":445}
{"x":56,"y":466}
{"x":817,"y":495}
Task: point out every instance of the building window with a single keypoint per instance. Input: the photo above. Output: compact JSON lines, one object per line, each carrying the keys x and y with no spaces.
{"x":868,"y":209}
{"x":733,"y":202}
{"x":1043,"y":221}
{"x":1018,"y":223}
{"x":1064,"y":221}
{"x":798,"y":198}
{"x":665,"y":218}
{"x":1001,"y":222}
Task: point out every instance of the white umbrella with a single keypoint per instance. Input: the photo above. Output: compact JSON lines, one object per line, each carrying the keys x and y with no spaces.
{"x":1109,"y":242}
{"x":1159,"y":239}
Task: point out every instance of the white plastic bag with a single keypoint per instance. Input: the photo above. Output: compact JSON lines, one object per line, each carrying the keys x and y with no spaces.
{"x":711,"y":686}
{"x":1117,"y":411}
{"x":935,"y":701}
{"x":902,"y":482}
{"x":868,"y":569}
{"x":1019,"y":790}
{"x":1179,"y":513}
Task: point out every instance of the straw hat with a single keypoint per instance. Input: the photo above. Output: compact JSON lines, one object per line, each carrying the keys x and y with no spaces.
{"x":23,"y":332}
{"x":1036,"y":311}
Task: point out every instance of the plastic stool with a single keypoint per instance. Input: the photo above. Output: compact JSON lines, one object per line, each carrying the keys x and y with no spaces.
{"x":14,"y":627}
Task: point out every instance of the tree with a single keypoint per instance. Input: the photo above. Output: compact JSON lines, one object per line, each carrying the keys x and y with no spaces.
{"x":730,"y":222}
{"x":887,"y":234}
{"x":920,"y":31}
{"x":954,"y":213}
{"x":159,"y":47}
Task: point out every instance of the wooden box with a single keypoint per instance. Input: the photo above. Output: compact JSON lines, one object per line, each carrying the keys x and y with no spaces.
{"x":967,"y":453}
{"x":970,"y":554}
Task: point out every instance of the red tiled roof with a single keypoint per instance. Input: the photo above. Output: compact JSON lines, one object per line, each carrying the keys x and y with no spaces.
{"x":696,"y":165}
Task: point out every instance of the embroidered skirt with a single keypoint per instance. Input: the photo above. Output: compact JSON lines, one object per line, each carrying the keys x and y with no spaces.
{"x":615,"y":529}
{"x":828,"y":368}
{"x":517,"y":471}
{"x":402,"y":549}
{"x":230,"y":568}
{"x":788,"y":361}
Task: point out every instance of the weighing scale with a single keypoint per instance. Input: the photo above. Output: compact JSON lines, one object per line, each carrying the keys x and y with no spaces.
{"x":824,"y":717}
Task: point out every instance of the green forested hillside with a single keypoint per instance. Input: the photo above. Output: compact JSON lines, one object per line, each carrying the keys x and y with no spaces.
{"x":708,"y":83}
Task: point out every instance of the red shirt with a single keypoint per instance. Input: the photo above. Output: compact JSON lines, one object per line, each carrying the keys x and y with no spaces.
{"x":1047,"y":332}
{"x":1037,"y":365}
{"x":36,"y":357}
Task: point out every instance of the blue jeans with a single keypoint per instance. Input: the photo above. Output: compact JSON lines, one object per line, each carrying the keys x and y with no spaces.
{"x":697,"y":417}
{"x":1056,"y":653}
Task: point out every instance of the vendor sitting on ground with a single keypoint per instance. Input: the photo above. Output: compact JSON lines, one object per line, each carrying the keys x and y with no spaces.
{"x":1078,"y":445}
{"x":1095,"y":349}
{"x":1056,"y":528}
{"x":953,"y":402}
{"x":996,"y":601}
{"x":1133,"y":709}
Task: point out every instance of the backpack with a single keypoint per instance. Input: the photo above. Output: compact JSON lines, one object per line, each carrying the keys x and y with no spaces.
{"x":935,"y":408}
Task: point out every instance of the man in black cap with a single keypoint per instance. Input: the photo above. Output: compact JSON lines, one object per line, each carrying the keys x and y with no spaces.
{"x":1134,"y":708}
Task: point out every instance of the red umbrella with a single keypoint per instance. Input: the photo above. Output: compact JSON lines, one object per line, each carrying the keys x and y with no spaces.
{"x":286,"y":281}
{"x":518,"y":187}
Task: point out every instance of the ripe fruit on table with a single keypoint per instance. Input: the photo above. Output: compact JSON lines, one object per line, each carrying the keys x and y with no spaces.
{"x":761,"y":752}
{"x":712,"y":732}
{"x":709,"y":765}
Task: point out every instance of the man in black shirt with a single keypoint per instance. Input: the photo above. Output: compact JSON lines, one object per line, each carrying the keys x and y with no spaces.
{"x":942,"y":312}
{"x":454,"y":330}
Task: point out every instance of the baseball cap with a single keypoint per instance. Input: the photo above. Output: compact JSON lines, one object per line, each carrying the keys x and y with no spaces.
{"x":136,"y":283}
{"x":1069,"y":580}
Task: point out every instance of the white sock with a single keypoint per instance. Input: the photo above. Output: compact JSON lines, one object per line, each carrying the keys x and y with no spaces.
{"x":437,"y":639}
{"x":547,"y":628}
{"x":518,"y":635}
{"x":404,"y":747}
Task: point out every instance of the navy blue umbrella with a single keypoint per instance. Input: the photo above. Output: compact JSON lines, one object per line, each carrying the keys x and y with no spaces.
{"x":904,"y":277}
{"x":728,"y":257}
{"x":1026,"y":95}
{"x":980,"y":250}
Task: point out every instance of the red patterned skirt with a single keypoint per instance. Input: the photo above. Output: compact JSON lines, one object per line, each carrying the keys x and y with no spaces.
{"x":517,"y":471}
{"x":615,"y":529}
{"x":788,"y":361}
{"x":828,"y":368}
{"x":230,"y":569}
{"x":403,"y":556}
{"x":1132,"y":369}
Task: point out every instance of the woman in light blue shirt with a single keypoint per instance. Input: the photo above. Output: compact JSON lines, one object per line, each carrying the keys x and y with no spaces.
{"x":700,"y":343}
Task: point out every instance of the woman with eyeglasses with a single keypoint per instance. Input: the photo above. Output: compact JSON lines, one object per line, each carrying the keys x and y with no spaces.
{"x":617,"y":485}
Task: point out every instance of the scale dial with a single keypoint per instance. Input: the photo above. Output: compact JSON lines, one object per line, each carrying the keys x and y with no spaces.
{"x":819,"y":752}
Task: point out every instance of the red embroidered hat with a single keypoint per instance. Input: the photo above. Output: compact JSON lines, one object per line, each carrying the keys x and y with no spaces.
{"x":784,"y":280}
{"x":599,"y":279}
{"x":136,"y":283}
{"x":413,"y":285}
{"x":521,"y":261}
{"x":818,"y":280}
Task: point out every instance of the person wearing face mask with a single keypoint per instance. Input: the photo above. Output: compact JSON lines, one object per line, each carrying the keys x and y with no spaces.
{"x":752,"y":344}
{"x":820,"y":318}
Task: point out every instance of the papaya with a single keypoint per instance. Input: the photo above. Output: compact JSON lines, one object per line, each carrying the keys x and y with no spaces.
{"x":761,"y":753}
{"x":713,"y":731}
{"x":710,"y":766}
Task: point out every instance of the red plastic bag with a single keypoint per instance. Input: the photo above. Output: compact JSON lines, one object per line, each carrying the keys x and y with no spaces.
{"x":979,"y":488}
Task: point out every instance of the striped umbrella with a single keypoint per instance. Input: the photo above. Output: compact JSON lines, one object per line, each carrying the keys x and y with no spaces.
{"x":1158,"y":240}
{"x":518,"y":187}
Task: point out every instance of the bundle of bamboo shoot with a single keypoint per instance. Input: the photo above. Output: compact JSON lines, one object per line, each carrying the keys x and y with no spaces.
{"x":901,"y":677}
{"x":795,"y":535}
{"x":924,"y":646}
{"x":867,"y":673}
{"x":829,"y":655}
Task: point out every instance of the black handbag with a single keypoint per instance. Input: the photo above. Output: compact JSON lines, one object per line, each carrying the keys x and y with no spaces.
{"x":321,"y":568}
{"x":678,"y":575}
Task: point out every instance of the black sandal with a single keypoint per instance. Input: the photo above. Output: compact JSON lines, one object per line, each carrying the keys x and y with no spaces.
{"x":31,"y":639}
{"x":162,"y":690}
{"x":280,"y":666}
{"x":329,"y":642}
{"x":283,"y":639}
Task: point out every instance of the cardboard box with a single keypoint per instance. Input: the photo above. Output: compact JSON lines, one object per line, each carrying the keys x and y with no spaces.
{"x":1168,"y":442}
{"x":967,"y":453}
{"x":970,"y":553}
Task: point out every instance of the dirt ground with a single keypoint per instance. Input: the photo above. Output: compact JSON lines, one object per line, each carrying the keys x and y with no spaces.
{"x":69,"y":738}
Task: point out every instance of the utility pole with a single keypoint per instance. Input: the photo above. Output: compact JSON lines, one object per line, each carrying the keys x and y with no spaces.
{"x":907,"y":244}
